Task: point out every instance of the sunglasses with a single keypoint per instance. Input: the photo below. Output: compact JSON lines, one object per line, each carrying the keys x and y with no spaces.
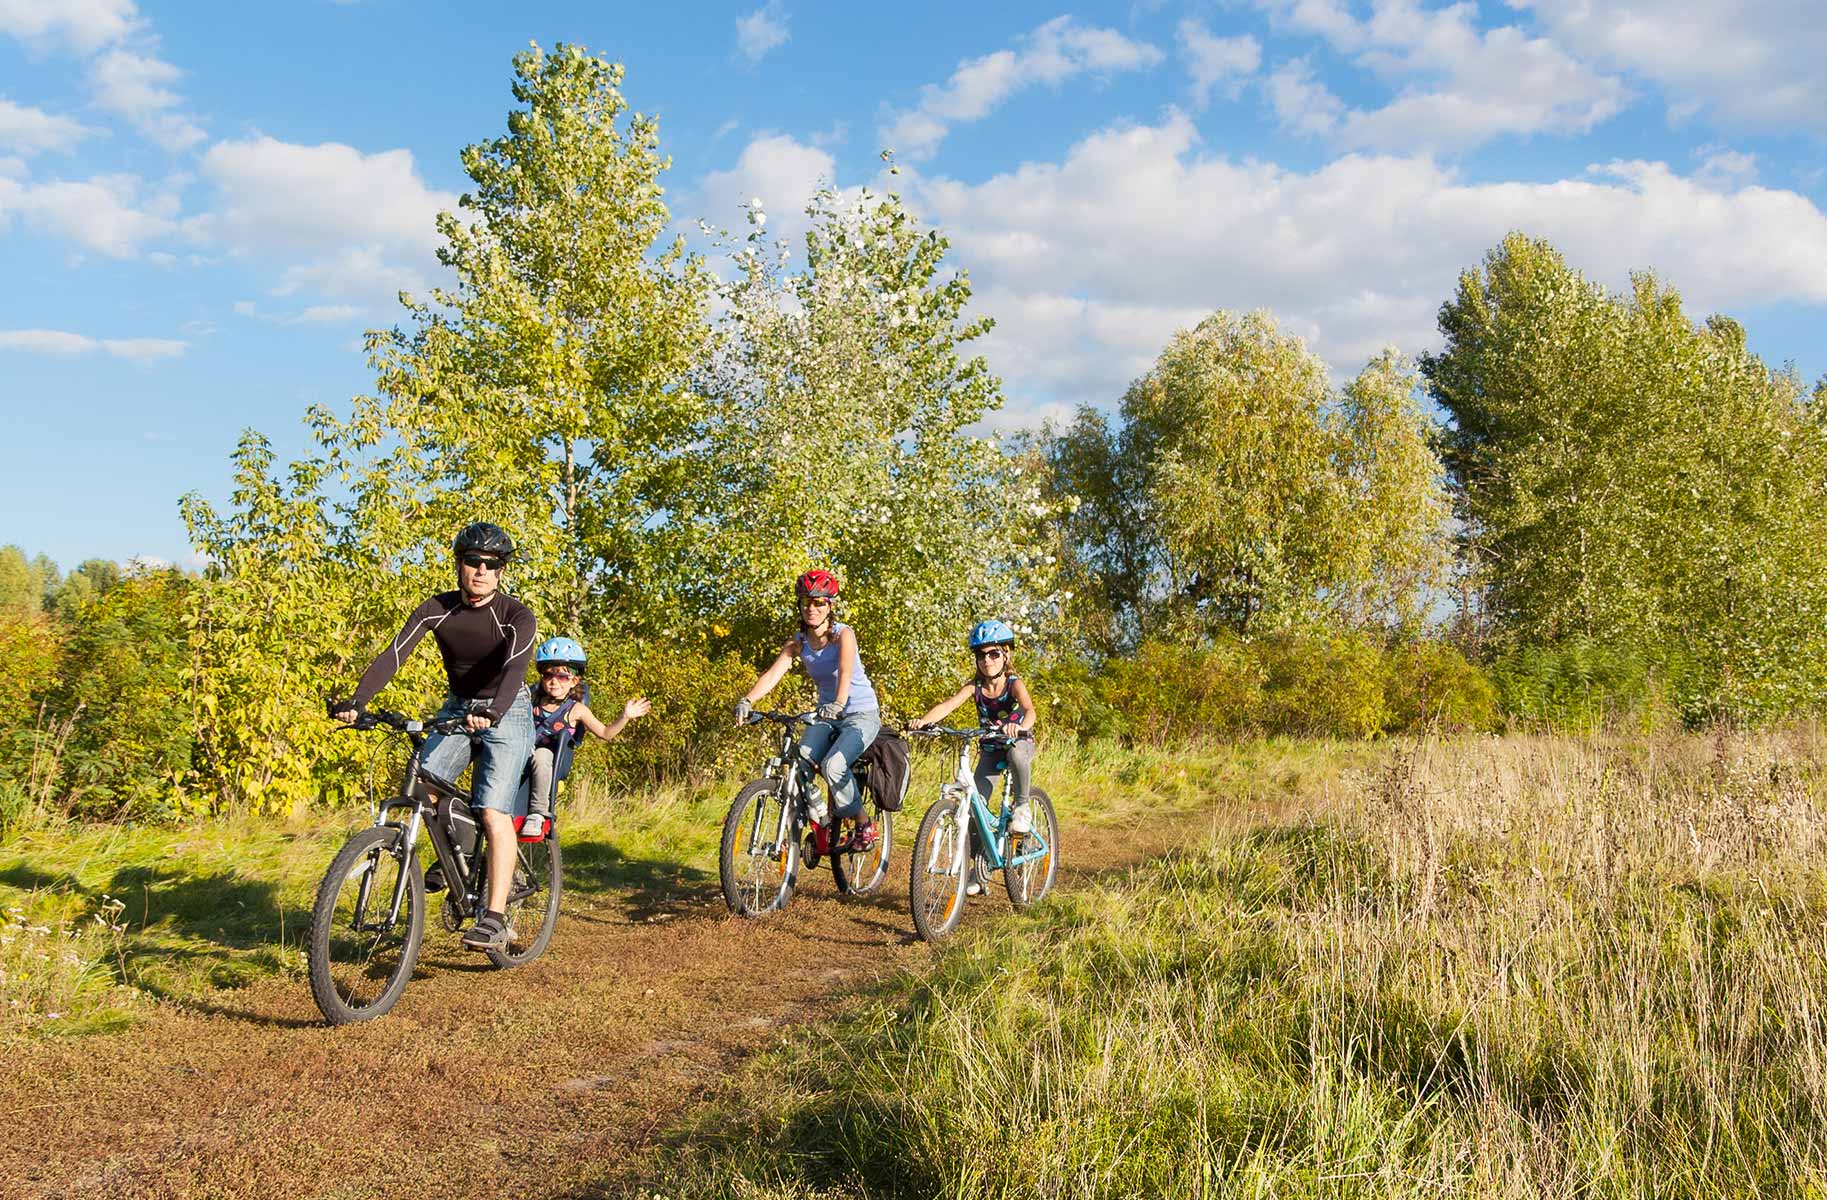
{"x":816,"y":601}
{"x":992,"y":652}
{"x":557,"y":673}
{"x":481,"y":560}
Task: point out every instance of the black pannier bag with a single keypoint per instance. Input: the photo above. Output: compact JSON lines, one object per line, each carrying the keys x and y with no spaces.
{"x":888,"y":772}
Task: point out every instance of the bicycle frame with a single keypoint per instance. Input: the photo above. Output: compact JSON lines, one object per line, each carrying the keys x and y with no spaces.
{"x":418,"y":797}
{"x":982,"y":828}
{"x":787,"y":767}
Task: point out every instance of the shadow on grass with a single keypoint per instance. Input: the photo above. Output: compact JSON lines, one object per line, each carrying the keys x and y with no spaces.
{"x":649,"y":886}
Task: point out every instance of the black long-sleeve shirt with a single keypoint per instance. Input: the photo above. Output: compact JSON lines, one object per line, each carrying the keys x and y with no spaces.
{"x":485,"y":648}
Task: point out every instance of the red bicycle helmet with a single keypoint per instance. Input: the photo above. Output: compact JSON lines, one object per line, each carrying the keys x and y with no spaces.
{"x":816,"y":584}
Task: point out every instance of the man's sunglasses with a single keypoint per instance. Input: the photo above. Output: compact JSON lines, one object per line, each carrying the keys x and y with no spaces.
{"x":481,"y":560}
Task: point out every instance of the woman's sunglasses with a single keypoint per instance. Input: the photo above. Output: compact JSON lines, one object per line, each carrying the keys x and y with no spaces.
{"x":481,"y":560}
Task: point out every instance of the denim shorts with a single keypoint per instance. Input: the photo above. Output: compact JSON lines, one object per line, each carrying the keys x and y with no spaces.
{"x":506,"y":747}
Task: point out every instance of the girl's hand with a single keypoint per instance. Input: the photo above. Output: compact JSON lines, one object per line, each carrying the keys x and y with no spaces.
{"x":1011,"y":729}
{"x":639,"y":706}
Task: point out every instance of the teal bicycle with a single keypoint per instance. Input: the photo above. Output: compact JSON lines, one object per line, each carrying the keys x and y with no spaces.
{"x":962,"y":840}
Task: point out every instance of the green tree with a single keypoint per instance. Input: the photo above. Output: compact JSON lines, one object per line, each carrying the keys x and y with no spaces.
{"x":1242,"y":492}
{"x":840,"y":437}
{"x":1628,"y":478}
{"x":24,"y":583}
{"x":543,"y":390}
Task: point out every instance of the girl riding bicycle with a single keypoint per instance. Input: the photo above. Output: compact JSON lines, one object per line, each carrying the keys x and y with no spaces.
{"x":1003,"y":704}
{"x":561,"y":666}
{"x":849,"y":716}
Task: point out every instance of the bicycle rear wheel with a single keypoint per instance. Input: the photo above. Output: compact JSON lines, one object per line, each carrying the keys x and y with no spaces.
{"x":1033,"y":879}
{"x":759,"y":859}
{"x":940,"y":864}
{"x":862,"y":872}
{"x":532,"y":903}
{"x":360,"y":955}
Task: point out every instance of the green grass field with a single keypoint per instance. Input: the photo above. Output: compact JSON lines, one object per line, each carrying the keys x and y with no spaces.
{"x":1509,"y":967}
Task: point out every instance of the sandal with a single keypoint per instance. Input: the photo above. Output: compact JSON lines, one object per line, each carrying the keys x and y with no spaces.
{"x":490,"y":933}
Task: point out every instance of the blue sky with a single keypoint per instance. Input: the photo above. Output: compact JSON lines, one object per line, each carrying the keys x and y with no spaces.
{"x":202,"y":205}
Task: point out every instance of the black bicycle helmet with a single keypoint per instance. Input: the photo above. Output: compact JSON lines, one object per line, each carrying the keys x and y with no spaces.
{"x":481,"y":537}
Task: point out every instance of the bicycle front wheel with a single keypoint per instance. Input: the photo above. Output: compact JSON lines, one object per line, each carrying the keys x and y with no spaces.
{"x":759,"y":859}
{"x":532,"y":903}
{"x":861,"y":872}
{"x":361,"y":953}
{"x":1027,"y":881}
{"x":941,"y":863}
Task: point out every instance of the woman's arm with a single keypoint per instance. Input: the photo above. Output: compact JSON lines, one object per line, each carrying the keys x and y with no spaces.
{"x":776,"y":671}
{"x":939,"y":711}
{"x":846,"y":665}
{"x":581,"y":715}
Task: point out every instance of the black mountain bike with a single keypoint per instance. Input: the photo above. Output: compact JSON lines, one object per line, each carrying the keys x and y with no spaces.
{"x":769,"y":831}
{"x":369,"y":919}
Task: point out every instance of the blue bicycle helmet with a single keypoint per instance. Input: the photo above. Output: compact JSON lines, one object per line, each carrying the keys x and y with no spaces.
{"x":560,"y":652}
{"x":991,"y":633}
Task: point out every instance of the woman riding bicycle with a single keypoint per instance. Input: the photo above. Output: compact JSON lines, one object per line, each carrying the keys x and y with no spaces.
{"x":1003,"y":704}
{"x":848,"y":715}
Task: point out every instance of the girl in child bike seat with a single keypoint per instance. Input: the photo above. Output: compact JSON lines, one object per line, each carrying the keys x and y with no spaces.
{"x":561,"y":665}
{"x":848,"y":714}
{"x":1003,"y":705}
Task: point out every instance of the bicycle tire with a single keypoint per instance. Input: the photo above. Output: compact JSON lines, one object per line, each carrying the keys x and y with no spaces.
{"x":345,"y":989}
{"x":860,"y":874}
{"x":1031,"y":881}
{"x":543,"y":864}
{"x":938,"y":865}
{"x":754,"y":893}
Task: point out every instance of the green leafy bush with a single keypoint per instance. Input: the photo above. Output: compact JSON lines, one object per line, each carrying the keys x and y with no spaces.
{"x":1430,"y":685}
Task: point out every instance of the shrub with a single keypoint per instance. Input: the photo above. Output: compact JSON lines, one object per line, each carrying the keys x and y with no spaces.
{"x":1322,"y":686}
{"x":1579,"y":686}
{"x":1165,"y":693}
{"x":1430,"y":685}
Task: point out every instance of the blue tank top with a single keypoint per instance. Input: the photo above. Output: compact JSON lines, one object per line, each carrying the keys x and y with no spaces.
{"x":821,"y":665}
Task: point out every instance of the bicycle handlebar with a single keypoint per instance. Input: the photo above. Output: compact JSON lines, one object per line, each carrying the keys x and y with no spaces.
{"x":965,"y":735}
{"x":376,"y":718}
{"x":756,"y":716}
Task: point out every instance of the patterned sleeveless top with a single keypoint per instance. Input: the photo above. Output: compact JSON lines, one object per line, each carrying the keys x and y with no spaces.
{"x":994,"y":710}
{"x":547,"y":724}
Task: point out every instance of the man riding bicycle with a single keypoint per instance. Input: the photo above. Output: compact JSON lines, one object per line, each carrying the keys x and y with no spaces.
{"x":485,"y":637}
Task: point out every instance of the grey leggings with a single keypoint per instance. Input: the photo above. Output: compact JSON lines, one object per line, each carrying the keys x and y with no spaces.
{"x":540,"y":801}
{"x":1019,"y":758}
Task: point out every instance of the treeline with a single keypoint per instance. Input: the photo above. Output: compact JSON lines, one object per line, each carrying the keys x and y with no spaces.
{"x":1584,"y":508}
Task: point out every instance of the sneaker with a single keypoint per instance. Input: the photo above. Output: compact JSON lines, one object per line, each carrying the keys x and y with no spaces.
{"x":1022,"y":819}
{"x":434,"y":878}
{"x":534,"y":827}
{"x":978,"y":877}
{"x":866,"y":835}
{"x":973,"y":888}
{"x":490,"y":933}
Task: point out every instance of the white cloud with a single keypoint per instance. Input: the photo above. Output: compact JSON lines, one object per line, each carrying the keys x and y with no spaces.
{"x":350,"y":227}
{"x":761,"y":31}
{"x":135,"y":87}
{"x":32,"y":131}
{"x":1089,"y":264}
{"x":1755,"y":62}
{"x":84,"y":26}
{"x":781,"y":171}
{"x":1050,"y":55}
{"x":109,"y":214}
{"x":57,"y":341}
{"x":1217,"y":63}
{"x":1457,"y":86}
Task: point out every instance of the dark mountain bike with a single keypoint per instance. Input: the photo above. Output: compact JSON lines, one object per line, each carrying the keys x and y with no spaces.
{"x":369,"y":919}
{"x":769,"y":831}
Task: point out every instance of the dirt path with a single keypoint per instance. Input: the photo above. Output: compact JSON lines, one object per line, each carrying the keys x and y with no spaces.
{"x":480,"y":1083}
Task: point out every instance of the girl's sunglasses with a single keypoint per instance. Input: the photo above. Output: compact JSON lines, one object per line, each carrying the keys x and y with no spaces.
{"x":992,"y":652}
{"x":557,"y":673}
{"x":481,"y":560}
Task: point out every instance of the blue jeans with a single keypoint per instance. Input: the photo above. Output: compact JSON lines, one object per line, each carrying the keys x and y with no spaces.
{"x":506,"y":746}
{"x":835,"y":746}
